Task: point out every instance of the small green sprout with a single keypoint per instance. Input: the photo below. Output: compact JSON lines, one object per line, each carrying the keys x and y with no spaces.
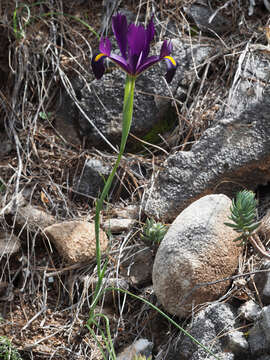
{"x":44,"y":116}
{"x":7,"y":351}
{"x":2,"y":187}
{"x":153,"y":232}
{"x":243,"y":215}
{"x":142,"y":357}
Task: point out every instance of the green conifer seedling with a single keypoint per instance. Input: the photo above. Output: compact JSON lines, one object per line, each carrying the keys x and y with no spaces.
{"x":243,"y":215}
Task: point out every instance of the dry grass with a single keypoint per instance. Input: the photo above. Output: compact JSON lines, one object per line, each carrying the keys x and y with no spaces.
{"x":46,"y":302}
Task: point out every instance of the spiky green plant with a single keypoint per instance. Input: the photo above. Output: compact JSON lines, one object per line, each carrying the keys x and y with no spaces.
{"x":7,"y":351}
{"x":153,"y":231}
{"x":243,"y":215}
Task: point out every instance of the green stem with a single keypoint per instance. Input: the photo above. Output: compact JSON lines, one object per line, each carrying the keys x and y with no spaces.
{"x":127,"y":119}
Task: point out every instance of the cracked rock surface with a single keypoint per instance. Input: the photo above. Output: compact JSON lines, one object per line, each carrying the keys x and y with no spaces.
{"x":231,"y":155}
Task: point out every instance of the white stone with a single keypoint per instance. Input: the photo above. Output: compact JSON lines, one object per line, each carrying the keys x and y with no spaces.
{"x":140,"y":347}
{"x":249,"y":311}
{"x":118,"y":225}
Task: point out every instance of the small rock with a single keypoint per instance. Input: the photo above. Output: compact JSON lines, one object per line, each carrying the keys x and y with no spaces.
{"x":259,"y":334}
{"x":92,"y":179}
{"x":140,"y":347}
{"x":33,"y":217}
{"x":116,"y":226}
{"x":257,"y":340}
{"x":202,"y":17}
{"x":237,"y":343}
{"x":6,"y":145}
{"x":211,"y":327}
{"x":9,"y":243}
{"x":265,"y":321}
{"x":249,"y":311}
{"x":127,"y":212}
{"x":264,"y":357}
{"x":16,"y":202}
{"x":138,"y":269}
{"x":75,"y":240}
{"x":262,"y":282}
{"x":198,"y":248}
{"x":26,"y":214}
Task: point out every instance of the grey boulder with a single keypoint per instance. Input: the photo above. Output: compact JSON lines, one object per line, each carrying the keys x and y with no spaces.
{"x":215,"y":328}
{"x":232,"y":154}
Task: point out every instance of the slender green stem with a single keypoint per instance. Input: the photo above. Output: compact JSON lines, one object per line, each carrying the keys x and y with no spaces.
{"x":127,"y":119}
{"x":107,"y":339}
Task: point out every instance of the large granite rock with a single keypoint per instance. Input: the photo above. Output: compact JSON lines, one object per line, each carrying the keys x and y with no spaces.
{"x":233,"y":154}
{"x":197,"y":249}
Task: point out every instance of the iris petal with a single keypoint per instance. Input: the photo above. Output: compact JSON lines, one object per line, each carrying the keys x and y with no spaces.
{"x":171,"y":68}
{"x":120,"y":29}
{"x":136,"y":37}
{"x":105,"y":46}
{"x":98,"y":64}
{"x":150,"y":33}
{"x":151,"y":60}
{"x":150,"y":30}
{"x":120,"y":61}
{"x":166,"y":49}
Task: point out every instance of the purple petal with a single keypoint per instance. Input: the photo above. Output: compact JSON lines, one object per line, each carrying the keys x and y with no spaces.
{"x":166,"y":49}
{"x":98,"y":65}
{"x":171,"y":68}
{"x":147,"y":63}
{"x":150,"y":33}
{"x":105,"y":46}
{"x":120,"y":29}
{"x":150,"y":30}
{"x":136,"y":38}
{"x":120,"y":61}
{"x":137,"y":41}
{"x":152,"y":60}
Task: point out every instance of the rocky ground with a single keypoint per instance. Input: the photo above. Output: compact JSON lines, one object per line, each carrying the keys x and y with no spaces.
{"x":193,"y":145}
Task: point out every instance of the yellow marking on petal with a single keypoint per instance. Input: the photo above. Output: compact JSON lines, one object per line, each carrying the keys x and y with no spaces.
{"x":171,"y":60}
{"x":99,"y":56}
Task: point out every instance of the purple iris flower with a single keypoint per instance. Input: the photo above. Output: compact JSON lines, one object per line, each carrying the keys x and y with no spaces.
{"x":134,"y":44}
